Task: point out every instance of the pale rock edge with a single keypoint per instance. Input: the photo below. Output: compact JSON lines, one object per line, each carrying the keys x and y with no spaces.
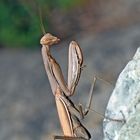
{"x":124,"y":103}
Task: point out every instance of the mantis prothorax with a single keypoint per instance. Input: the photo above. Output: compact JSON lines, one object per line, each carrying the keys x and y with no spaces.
{"x":69,"y":114}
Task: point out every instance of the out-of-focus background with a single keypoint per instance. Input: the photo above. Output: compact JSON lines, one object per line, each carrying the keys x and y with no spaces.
{"x":108,"y":33}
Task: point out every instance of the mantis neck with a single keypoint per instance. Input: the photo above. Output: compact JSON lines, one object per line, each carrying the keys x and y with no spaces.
{"x":47,"y":47}
{"x":47,"y":50}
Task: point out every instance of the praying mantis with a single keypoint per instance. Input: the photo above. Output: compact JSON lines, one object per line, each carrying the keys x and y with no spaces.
{"x":68,"y":113}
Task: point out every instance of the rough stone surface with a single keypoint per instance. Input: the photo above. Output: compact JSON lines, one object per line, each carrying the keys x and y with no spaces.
{"x":124,"y":104}
{"x":130,"y":131}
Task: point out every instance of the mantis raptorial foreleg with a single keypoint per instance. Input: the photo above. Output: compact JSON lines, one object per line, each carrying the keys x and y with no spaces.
{"x":57,"y":73}
{"x":74,"y":69}
{"x":74,"y":65}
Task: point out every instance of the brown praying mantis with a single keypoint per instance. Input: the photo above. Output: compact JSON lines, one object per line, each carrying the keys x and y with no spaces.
{"x":69,"y":114}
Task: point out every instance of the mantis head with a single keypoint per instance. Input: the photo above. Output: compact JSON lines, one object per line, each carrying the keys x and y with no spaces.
{"x":49,"y":40}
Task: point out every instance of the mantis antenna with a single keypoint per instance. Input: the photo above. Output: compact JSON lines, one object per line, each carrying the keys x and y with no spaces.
{"x":41,"y":21}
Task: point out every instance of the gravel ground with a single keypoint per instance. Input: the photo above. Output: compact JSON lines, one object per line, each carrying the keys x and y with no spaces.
{"x":27,"y":106}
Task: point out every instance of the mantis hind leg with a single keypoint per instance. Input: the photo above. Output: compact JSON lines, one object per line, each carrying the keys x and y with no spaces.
{"x":68,"y":138}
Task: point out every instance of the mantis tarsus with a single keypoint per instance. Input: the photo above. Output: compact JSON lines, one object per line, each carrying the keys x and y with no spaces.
{"x":69,"y":114}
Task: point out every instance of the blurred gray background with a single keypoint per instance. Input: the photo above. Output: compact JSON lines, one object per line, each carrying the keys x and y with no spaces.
{"x":108,"y":33}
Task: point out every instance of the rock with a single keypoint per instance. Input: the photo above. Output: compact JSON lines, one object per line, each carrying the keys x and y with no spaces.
{"x":130,"y":131}
{"x":122,"y":120}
